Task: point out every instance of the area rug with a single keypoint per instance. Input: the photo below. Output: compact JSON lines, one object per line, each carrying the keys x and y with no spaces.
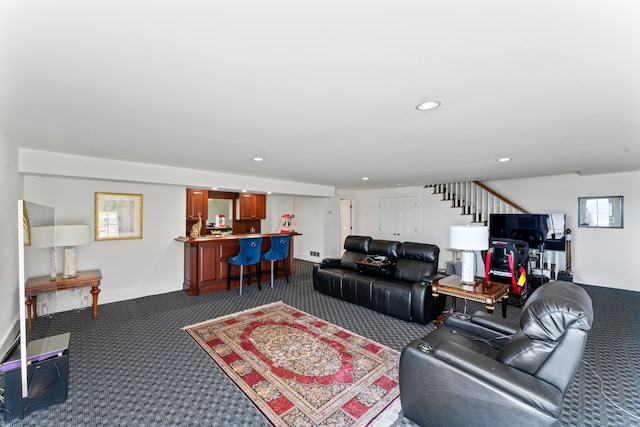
{"x":300,"y":370}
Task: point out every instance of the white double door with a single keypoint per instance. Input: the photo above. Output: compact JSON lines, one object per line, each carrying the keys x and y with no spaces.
{"x":398,"y":218}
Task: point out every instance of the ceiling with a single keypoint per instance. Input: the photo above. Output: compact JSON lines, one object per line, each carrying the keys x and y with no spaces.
{"x":325,"y":91}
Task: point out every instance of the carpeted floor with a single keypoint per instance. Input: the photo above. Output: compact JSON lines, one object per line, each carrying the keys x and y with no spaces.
{"x":134,"y":365}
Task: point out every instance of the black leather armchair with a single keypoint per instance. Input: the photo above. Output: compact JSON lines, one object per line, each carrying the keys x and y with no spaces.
{"x":490,"y":371}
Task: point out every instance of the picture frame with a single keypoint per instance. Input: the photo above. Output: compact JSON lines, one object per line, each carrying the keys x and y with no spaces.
{"x":26,"y":227}
{"x":118,"y":216}
{"x":601,"y":212}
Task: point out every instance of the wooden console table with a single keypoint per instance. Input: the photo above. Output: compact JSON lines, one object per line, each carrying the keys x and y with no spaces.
{"x":41,"y":285}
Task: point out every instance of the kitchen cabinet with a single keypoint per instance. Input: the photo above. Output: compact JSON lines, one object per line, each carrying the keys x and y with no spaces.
{"x":252,"y":206}
{"x":197,"y":202}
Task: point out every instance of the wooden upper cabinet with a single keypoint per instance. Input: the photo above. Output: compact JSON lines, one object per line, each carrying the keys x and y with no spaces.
{"x":252,"y":206}
{"x":197,"y":202}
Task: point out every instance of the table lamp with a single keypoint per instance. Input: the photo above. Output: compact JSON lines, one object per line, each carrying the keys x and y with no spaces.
{"x":69,"y":236}
{"x":45,"y":237}
{"x":469,"y":238}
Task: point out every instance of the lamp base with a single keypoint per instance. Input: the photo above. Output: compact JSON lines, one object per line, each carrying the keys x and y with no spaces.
{"x":69,"y":263}
{"x":53,"y":276}
{"x":468,"y":286}
{"x":468,"y":276}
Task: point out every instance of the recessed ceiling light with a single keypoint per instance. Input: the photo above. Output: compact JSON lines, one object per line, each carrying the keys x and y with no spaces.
{"x":244,"y":191}
{"x":504,"y":159}
{"x":214,"y":188}
{"x":258,"y":159}
{"x":364,"y":178}
{"x":429,"y":105}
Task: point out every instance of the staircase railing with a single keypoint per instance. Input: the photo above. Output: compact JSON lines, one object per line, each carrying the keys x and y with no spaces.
{"x":475,"y":199}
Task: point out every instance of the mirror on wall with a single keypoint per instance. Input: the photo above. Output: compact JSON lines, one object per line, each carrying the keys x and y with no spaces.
{"x":31,"y":217}
{"x":600,"y":212}
{"x":220,"y":207}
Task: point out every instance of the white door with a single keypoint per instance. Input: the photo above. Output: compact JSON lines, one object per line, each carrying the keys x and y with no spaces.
{"x":398,"y":218}
{"x":345,"y":222}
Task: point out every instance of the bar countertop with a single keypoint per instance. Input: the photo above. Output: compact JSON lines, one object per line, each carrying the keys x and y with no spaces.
{"x":206,"y":266}
{"x":208,"y":237}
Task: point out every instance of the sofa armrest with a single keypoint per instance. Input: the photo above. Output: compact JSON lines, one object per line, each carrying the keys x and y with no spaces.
{"x":495,"y":323}
{"x":527,"y":388}
{"x":330,"y":263}
{"x":484,"y":325}
{"x":431,"y":278}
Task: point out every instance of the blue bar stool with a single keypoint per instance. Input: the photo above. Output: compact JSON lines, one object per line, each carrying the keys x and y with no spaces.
{"x":249,"y":255}
{"x":278,"y":252}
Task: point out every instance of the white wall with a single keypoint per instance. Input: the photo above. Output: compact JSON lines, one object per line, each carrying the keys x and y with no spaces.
{"x":601,"y":257}
{"x":10,"y":193}
{"x":277,"y":204}
{"x":153,"y":264}
{"x":59,"y":164}
{"x":130,"y":268}
{"x":435,"y":216}
{"x":310,"y":221}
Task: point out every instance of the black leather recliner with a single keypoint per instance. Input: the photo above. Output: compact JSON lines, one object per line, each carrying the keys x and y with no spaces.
{"x":490,"y":371}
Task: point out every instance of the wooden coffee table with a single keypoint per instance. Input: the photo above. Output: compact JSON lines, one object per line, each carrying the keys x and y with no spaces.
{"x":485,"y":292}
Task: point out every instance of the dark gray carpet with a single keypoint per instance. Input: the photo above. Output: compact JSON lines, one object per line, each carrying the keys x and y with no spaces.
{"x":134,"y":366}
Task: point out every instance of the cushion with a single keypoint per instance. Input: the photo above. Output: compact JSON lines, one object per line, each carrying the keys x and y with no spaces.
{"x":387,"y":248}
{"x":357,"y":243}
{"x":416,"y":260}
{"x":555,"y":307}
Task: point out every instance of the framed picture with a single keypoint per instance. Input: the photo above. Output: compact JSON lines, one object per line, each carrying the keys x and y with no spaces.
{"x":600,"y":212}
{"x":26,"y":227}
{"x":118,"y":216}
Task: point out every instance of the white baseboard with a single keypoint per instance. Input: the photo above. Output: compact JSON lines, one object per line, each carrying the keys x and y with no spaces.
{"x":9,"y":337}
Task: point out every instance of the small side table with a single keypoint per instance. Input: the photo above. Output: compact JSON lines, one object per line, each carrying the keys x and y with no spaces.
{"x":485,"y":292}
{"x":42,"y":285}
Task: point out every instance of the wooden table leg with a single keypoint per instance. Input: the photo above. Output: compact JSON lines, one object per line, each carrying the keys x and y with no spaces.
{"x":30,"y":310}
{"x":95,"y":291}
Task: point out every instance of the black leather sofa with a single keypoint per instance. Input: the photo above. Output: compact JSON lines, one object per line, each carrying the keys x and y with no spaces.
{"x":402,"y":289}
{"x":490,"y":371}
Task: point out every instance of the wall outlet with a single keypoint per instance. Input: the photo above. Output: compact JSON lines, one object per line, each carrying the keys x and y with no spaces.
{"x":314,"y":253}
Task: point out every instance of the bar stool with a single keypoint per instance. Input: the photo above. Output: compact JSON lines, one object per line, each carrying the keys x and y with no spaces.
{"x":249,"y":255}
{"x":278,"y":252}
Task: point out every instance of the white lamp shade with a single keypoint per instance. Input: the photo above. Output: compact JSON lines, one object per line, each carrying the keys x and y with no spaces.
{"x":469,"y":237}
{"x":72,"y":235}
{"x":43,"y":236}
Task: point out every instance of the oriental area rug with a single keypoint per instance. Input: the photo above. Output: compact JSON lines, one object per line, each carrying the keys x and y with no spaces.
{"x":300,"y":370}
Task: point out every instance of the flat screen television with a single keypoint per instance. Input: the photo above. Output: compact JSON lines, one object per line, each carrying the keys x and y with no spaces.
{"x":534,"y":229}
